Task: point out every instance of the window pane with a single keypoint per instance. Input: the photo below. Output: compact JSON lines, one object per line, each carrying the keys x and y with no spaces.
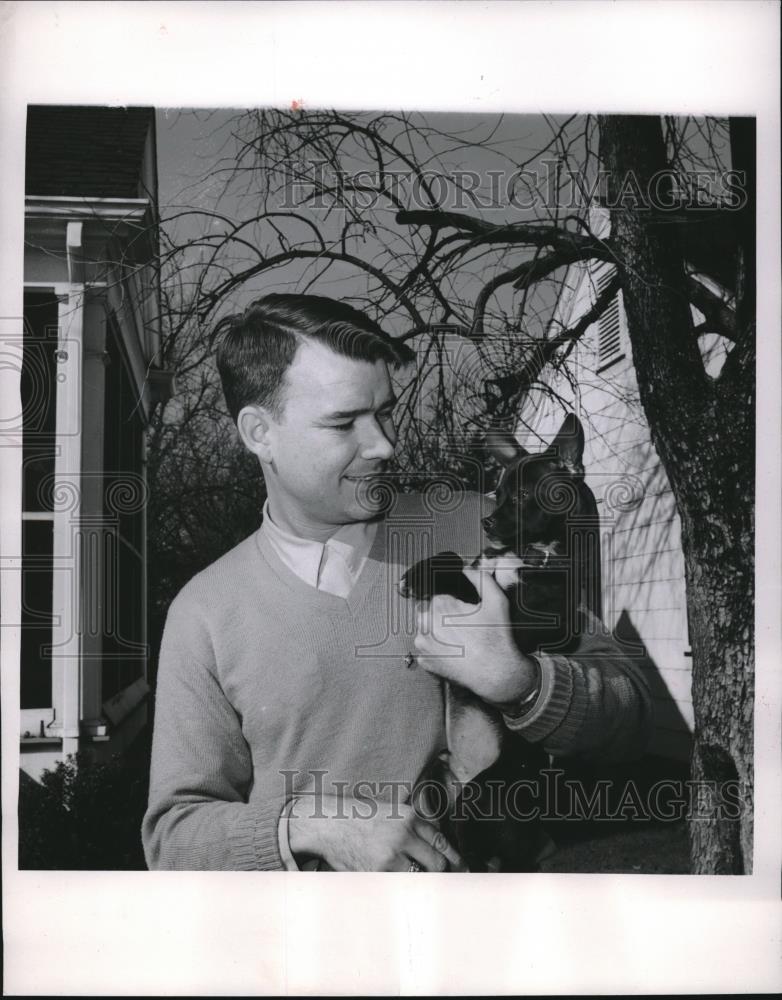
{"x":39,"y":400}
{"x":36,"y":677}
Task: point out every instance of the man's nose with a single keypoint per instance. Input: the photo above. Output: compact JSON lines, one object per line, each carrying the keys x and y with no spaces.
{"x":379,"y":442}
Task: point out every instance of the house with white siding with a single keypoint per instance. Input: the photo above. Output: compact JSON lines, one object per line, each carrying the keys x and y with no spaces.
{"x":643,"y":585}
{"x":89,"y":377}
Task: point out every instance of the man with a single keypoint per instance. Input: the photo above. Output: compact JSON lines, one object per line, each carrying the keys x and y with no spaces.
{"x":288,"y":731}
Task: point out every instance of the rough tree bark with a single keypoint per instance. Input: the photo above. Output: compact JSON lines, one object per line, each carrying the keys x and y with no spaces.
{"x":704,"y":432}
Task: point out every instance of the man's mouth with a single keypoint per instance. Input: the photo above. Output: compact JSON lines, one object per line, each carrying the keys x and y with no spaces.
{"x":368,"y":477}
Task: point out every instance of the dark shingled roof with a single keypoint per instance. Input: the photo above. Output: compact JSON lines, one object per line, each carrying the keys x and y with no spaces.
{"x":90,"y":152}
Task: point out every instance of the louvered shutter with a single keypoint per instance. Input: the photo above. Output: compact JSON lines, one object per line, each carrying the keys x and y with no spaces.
{"x":609,"y":339}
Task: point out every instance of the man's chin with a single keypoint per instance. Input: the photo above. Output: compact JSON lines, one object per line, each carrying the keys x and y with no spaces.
{"x":373,"y":496}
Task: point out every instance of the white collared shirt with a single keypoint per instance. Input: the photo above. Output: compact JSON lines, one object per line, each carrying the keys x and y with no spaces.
{"x":332,"y":566}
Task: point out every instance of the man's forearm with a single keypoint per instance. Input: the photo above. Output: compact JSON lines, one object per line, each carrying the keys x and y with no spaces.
{"x":594,"y":702}
{"x":212,"y":836}
{"x":529,"y":693}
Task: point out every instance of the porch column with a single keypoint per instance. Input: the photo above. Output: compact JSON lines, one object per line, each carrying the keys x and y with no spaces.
{"x":93,"y":522}
{"x":66,"y":588}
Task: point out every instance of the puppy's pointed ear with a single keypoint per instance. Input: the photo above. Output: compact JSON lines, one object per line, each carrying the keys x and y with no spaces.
{"x":503,"y":446}
{"x":569,"y":445}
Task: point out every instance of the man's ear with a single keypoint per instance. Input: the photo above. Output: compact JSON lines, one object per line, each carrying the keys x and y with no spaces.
{"x":503,"y":446}
{"x":255,"y":424}
{"x":569,"y":445}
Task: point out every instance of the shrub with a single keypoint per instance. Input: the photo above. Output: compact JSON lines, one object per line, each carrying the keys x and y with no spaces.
{"x":84,"y":815}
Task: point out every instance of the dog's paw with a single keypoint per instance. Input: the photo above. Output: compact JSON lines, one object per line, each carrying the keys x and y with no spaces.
{"x":441,"y":574}
{"x":407,"y":585}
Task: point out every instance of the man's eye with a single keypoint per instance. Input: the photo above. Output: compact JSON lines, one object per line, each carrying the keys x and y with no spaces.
{"x":343,"y":427}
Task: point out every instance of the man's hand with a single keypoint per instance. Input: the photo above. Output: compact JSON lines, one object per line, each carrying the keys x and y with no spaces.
{"x":485,"y":659}
{"x":358,"y":835}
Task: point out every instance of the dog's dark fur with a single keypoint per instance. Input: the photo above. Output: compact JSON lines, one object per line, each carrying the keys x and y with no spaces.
{"x":545,"y":512}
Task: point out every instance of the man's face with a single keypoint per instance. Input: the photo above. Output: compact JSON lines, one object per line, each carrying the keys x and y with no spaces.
{"x":335,"y":431}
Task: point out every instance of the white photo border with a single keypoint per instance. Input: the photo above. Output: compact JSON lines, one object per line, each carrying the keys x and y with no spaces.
{"x":98,"y":933}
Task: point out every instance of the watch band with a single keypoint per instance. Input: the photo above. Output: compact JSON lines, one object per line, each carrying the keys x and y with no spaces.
{"x":515,"y":709}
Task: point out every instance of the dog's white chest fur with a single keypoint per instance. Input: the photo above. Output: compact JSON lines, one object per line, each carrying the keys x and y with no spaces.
{"x":504,"y":567}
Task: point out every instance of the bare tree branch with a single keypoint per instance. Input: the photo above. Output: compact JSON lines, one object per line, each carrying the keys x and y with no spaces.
{"x":720,"y":318}
{"x":516,"y":233}
{"x":543,"y":352}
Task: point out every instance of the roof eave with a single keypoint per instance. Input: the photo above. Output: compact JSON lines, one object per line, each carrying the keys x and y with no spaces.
{"x":106,"y":209}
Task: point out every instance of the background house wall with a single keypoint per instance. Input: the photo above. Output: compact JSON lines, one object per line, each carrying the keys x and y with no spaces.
{"x":643,"y":578}
{"x":644,"y":596}
{"x":92,"y":305}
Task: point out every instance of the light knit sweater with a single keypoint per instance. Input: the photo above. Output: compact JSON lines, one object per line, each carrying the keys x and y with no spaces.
{"x":268,"y":688}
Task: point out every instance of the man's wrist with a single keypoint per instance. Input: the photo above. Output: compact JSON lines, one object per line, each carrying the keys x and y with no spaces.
{"x":286,"y":854}
{"x":308,"y":828}
{"x":301,"y":840}
{"x":529,"y":694}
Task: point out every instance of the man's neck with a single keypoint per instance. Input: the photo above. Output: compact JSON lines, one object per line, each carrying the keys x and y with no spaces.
{"x":297,"y":525}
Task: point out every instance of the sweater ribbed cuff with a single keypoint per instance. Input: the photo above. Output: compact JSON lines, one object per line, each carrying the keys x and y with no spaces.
{"x":256,"y":845}
{"x":551,"y":707}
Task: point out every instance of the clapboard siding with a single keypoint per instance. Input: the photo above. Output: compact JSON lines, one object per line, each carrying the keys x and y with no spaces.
{"x":659,"y":623}
{"x":660,"y":521}
{"x":651,"y":567}
{"x":677,"y":683}
{"x":644,"y":595}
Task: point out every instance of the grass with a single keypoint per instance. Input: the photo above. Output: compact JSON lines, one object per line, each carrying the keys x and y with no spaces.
{"x":638,"y":840}
{"x":648,"y":849}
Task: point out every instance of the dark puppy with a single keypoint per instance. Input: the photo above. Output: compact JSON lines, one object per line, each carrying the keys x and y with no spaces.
{"x":541,"y":540}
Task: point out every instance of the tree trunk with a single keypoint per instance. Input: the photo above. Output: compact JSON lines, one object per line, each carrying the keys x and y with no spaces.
{"x":703,"y":430}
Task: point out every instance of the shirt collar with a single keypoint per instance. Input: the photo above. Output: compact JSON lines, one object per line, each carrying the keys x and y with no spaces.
{"x":304,"y":556}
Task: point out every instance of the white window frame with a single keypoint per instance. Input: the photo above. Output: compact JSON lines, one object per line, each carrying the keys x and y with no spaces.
{"x":61,"y":719}
{"x":77,"y":702}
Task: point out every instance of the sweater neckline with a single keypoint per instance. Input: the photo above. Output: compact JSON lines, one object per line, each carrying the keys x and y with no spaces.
{"x":321,"y":598}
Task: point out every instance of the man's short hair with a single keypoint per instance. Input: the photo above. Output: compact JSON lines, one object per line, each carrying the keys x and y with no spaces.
{"x":256,"y":347}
